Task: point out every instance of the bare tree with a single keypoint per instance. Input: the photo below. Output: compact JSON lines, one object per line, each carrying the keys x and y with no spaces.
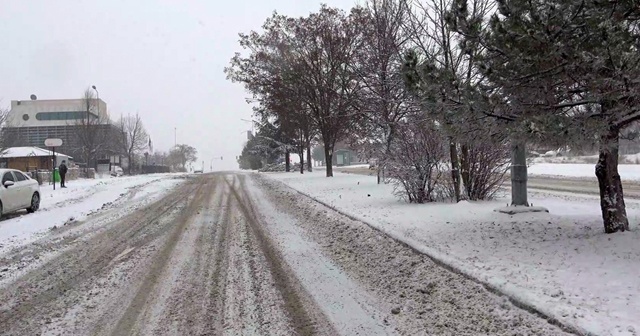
{"x":181,"y":155}
{"x":383,"y":99}
{"x":453,"y":74}
{"x":91,"y":134}
{"x":159,"y":158}
{"x":133,"y":137}
{"x":5,"y":137}
{"x":416,"y":159}
{"x":327,"y":42}
{"x":311,"y":57}
{"x":9,"y":136}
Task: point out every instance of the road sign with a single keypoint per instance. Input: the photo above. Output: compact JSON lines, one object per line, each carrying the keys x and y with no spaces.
{"x":53,"y":142}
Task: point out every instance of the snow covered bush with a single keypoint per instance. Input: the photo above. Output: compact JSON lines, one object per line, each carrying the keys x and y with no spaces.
{"x":483,"y":165}
{"x":416,"y":160}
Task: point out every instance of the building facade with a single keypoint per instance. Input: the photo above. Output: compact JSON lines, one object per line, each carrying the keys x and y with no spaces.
{"x":56,"y":112}
{"x":83,"y":125}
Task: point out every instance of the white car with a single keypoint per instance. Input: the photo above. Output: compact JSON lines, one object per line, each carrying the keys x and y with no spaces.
{"x":117,"y":171}
{"x":18,"y":191}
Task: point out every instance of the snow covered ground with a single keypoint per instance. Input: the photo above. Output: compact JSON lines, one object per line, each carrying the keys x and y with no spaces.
{"x":82,"y":198}
{"x":627,"y":172}
{"x":591,"y":159}
{"x":358,"y":166}
{"x":561,"y":263}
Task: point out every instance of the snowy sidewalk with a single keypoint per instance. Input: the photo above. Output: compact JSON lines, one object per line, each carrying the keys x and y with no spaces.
{"x":82,"y":198}
{"x":560,"y":263}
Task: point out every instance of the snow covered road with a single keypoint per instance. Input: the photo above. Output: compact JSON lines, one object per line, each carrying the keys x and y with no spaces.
{"x":81,"y":199}
{"x":234,"y":254}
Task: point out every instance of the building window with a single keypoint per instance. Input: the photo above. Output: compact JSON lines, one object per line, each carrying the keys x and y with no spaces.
{"x":25,"y":117}
{"x":72,"y":115}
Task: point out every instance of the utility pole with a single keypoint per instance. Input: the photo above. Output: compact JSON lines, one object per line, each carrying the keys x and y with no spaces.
{"x":519,"y":182}
{"x":519,"y":175}
{"x":175,"y":137}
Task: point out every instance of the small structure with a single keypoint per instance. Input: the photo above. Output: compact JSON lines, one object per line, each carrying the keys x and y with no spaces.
{"x":344,"y":155}
{"x":30,"y":158}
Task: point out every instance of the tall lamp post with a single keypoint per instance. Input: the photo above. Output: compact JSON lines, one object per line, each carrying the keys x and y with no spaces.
{"x":98,"y":102}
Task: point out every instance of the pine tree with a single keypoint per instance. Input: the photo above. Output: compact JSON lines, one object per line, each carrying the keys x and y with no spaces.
{"x":567,"y":70}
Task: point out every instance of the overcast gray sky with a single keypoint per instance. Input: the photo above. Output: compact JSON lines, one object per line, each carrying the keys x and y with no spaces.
{"x":163,"y":59}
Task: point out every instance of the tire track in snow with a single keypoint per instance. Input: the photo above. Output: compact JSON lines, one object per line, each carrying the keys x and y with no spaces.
{"x":51,"y":290}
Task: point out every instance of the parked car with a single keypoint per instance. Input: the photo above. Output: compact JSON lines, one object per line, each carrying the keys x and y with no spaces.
{"x":18,"y":192}
{"x":373,"y":164}
{"x":117,"y":171}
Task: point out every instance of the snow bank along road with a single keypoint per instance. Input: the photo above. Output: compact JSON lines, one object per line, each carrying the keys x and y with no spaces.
{"x":242,"y":255}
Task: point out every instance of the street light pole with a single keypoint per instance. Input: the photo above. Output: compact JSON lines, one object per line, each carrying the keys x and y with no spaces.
{"x":252,"y":124}
{"x":98,"y":103}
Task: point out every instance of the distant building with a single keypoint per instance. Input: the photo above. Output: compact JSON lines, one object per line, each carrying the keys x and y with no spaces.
{"x":54,"y":112}
{"x":31,"y":122}
{"x":31,"y":158}
{"x":343,"y":155}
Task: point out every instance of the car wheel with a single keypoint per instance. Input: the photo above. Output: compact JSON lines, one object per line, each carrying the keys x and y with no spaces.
{"x":35,"y":203}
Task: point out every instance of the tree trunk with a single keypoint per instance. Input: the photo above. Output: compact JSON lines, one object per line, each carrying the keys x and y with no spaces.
{"x":309,"y":159}
{"x":301,"y":155}
{"x":614,"y":213}
{"x":328,"y":157}
{"x":465,"y":171}
{"x":130,"y":163}
{"x":455,"y":170}
{"x":287,"y":167}
{"x":519,"y":175}
{"x":387,"y":147}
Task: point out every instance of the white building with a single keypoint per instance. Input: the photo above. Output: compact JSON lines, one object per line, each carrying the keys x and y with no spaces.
{"x":58,"y":112}
{"x":31,"y":122}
